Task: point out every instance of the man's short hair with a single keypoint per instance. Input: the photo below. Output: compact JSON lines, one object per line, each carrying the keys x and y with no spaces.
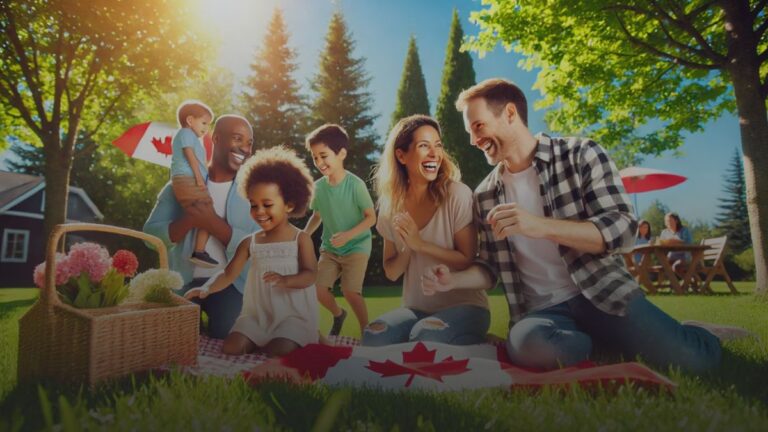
{"x":332,"y":135}
{"x":497,"y":93}
{"x":194,"y":108}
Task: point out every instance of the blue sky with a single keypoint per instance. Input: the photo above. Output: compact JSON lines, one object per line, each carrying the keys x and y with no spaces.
{"x":381,"y":30}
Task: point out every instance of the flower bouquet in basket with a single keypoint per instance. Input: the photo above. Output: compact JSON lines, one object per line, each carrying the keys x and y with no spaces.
{"x":87,"y":277}
{"x":92,"y":324}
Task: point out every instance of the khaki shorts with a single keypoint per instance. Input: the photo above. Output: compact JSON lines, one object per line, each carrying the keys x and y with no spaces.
{"x":350,"y":267}
{"x":187,"y":191}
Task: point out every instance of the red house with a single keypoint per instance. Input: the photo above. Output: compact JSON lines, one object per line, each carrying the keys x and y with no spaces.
{"x":22,"y":200}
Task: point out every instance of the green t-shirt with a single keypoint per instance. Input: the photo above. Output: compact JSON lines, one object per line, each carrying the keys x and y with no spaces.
{"x":341,"y":208}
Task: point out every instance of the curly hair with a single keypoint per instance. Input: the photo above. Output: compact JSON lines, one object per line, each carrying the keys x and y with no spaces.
{"x":391,"y":177}
{"x":284,"y":168}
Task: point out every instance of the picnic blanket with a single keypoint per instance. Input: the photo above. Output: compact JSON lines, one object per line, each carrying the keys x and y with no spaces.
{"x":415,"y":365}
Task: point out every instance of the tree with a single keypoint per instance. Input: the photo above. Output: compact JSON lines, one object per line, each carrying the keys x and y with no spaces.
{"x":733,"y":220}
{"x":271,"y":100}
{"x":412,"y":93}
{"x":654,"y":214}
{"x":640,"y":73}
{"x":458,"y":75}
{"x":71,"y":67}
{"x":342,"y":96}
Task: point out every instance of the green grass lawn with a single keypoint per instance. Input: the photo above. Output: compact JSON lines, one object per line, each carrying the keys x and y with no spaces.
{"x":733,"y":398}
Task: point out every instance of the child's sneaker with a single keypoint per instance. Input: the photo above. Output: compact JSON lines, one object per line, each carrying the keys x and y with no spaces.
{"x":202,"y":259}
{"x":338,"y":321}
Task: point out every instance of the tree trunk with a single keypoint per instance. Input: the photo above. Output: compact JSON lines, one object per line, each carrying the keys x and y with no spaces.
{"x":744,"y":69}
{"x":58,"y":163}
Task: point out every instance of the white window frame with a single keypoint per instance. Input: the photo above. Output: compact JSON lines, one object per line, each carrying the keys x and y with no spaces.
{"x":6,"y":235}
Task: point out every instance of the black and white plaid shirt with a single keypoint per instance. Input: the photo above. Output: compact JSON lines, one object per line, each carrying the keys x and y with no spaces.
{"x":577,"y":181}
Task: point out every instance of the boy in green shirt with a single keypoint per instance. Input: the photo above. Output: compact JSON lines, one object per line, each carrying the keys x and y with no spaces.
{"x":345,"y":208}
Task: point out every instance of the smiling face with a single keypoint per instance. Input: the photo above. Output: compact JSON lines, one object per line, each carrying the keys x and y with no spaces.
{"x":424,"y":156}
{"x":671,"y":223}
{"x":644,"y":229}
{"x":487,"y":131}
{"x":268,"y":208}
{"x":232,"y":142}
{"x":327,"y":161}
{"x":199,"y":125}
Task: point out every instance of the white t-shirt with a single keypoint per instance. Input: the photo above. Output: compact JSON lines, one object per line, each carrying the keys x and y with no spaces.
{"x":545,"y":277}
{"x":214,"y":247}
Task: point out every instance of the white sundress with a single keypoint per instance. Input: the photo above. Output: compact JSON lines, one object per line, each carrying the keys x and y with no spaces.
{"x":269,"y":312}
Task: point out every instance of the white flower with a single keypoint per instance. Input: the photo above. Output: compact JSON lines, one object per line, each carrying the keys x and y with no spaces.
{"x":153,"y":280}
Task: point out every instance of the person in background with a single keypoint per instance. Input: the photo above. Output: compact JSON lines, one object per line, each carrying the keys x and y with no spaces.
{"x":674,"y":234}
{"x":643,"y":237}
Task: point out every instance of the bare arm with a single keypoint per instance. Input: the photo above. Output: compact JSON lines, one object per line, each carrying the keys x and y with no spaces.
{"x":463,"y":253}
{"x":228,"y":276}
{"x":440,"y":279}
{"x":395,"y":261}
{"x":307,"y":267}
{"x":200,"y":215}
{"x":189,"y":154}
{"x":314,"y":221}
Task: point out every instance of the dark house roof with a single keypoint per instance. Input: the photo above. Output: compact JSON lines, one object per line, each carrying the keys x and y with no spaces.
{"x":16,"y":188}
{"x":14,"y":185}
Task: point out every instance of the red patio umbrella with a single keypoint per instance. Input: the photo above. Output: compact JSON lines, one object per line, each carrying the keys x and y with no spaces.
{"x":638,"y":179}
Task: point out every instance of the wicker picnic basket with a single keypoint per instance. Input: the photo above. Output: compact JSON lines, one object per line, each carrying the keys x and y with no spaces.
{"x":67,"y":344}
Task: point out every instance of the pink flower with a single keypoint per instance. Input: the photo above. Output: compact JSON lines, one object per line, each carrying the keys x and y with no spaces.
{"x":125,"y":262}
{"x":63,"y":271}
{"x":90,"y":258}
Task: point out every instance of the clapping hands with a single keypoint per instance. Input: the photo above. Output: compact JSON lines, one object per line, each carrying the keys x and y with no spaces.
{"x":437,"y":279}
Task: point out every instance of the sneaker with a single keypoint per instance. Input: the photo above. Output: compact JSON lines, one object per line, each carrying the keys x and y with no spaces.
{"x":204,"y":260}
{"x":338,"y":321}
{"x":723,"y":332}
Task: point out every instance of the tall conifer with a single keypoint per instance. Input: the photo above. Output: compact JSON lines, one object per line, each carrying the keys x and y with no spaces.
{"x":458,"y":75}
{"x":732,"y":220}
{"x":272,"y":100}
{"x":412,"y":93}
{"x":342,"y":96}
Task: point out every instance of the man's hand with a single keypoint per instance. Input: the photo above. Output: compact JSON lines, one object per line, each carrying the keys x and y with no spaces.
{"x":276,"y":279}
{"x":340,"y":239}
{"x":201,"y":214}
{"x":196,"y":293}
{"x":437,"y":279}
{"x":408,"y":231}
{"x":509,"y":219}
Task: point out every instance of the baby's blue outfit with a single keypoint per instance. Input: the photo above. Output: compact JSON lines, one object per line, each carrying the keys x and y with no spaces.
{"x":179,"y":165}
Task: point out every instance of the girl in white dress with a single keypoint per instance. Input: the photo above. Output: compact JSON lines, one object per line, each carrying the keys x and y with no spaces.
{"x":280,"y":302}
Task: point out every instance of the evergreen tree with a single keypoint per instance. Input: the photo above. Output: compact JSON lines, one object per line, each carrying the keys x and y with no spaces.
{"x":272,"y":100}
{"x":342,"y":97}
{"x":732,"y":220}
{"x":412,"y":93}
{"x":458,"y":75}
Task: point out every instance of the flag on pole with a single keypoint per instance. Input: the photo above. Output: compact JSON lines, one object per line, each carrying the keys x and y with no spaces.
{"x":151,"y":142}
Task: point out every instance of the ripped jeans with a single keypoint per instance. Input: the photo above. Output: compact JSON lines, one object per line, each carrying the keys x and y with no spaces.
{"x":458,"y":325}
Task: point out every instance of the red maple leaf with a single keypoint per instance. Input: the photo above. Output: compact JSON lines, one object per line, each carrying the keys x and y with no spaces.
{"x":164,"y":146}
{"x":420,"y":361}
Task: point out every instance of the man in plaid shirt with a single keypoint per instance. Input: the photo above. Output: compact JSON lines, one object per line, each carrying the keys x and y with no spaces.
{"x":552,"y":217}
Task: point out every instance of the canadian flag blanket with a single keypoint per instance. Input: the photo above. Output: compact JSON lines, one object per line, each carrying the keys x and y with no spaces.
{"x":415,"y":365}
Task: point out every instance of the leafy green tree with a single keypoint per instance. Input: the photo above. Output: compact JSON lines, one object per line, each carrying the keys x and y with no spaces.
{"x":639,"y":74}
{"x":272,"y":101}
{"x":342,"y":97}
{"x":412,"y":93}
{"x":458,"y":74}
{"x":71,"y":67}
{"x":733,"y":220}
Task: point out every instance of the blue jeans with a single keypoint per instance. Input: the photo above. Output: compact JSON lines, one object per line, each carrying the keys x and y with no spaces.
{"x":222,"y":307}
{"x":458,"y":325}
{"x":562,"y":335}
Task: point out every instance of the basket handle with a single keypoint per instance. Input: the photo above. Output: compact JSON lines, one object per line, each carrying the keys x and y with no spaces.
{"x":48,"y":295}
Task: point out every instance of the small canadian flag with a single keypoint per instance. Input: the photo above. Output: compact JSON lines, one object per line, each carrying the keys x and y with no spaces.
{"x":151,"y":142}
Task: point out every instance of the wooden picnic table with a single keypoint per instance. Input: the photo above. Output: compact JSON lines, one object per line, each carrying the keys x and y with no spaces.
{"x":643,"y":269}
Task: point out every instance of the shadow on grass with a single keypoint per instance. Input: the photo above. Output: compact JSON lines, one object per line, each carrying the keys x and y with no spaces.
{"x":8,"y":308}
